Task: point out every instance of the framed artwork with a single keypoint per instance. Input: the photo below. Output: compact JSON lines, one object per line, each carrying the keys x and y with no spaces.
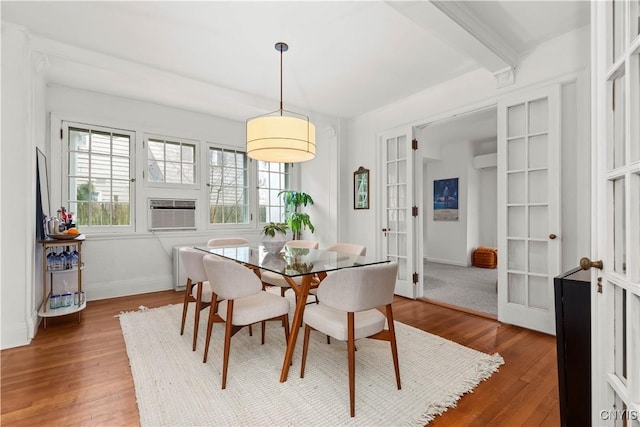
{"x":361,"y":188}
{"x":445,"y":199}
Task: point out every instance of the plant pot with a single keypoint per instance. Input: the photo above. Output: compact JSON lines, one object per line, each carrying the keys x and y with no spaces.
{"x":274,"y":244}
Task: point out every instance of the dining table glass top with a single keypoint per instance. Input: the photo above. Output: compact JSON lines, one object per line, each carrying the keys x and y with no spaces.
{"x":292,"y":262}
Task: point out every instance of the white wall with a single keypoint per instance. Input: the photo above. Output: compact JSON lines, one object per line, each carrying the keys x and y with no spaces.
{"x":448,"y":241}
{"x":488,"y":207}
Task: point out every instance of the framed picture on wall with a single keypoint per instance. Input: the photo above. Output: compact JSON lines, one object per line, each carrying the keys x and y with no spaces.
{"x":445,"y":199}
{"x":361,"y":188}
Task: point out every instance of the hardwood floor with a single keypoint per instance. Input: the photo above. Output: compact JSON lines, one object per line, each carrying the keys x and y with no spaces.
{"x":78,"y":374}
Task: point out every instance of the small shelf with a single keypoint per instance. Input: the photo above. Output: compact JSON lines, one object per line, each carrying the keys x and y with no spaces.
{"x":68,"y":270}
{"x":61,"y":311}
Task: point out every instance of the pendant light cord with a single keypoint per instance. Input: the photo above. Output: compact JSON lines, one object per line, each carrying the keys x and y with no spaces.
{"x":281,"y":106}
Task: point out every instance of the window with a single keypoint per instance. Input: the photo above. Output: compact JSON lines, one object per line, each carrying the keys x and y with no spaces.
{"x":272,"y":178}
{"x":171,"y":162}
{"x":99,"y":176}
{"x":228,"y":187}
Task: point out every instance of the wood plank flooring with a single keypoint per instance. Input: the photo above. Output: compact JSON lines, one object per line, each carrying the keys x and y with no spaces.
{"x":78,"y":374}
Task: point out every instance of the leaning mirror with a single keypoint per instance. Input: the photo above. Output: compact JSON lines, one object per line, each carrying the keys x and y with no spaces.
{"x":43,"y":203}
{"x":361,"y":188}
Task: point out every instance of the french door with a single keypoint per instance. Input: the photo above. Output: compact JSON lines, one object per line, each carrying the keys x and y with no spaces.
{"x":616,"y":212}
{"x":528,"y":207}
{"x":398,"y":225}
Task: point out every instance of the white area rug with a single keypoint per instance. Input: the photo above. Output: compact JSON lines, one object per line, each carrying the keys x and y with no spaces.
{"x":174,"y":388}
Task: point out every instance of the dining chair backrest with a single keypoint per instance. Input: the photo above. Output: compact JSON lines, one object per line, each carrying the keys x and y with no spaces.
{"x":227,"y":241}
{"x":305,"y":244}
{"x":359,"y":289}
{"x":349,"y":248}
{"x":192,"y":262}
{"x":230,"y":280}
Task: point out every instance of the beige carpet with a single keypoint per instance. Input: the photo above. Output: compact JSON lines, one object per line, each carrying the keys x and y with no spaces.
{"x":174,"y":388}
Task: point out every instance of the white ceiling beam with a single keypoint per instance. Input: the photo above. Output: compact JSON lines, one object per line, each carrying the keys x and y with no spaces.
{"x":455,"y":24}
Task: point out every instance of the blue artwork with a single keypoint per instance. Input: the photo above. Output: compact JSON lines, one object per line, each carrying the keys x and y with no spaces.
{"x":445,"y":199}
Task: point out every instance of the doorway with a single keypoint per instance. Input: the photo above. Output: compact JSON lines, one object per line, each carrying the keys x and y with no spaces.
{"x":460,"y":165}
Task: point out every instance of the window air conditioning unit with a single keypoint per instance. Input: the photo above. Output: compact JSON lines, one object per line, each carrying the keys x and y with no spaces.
{"x":172,"y":214}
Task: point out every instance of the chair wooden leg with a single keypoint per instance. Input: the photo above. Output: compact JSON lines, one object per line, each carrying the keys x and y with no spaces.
{"x":213,"y":311}
{"x":263,"y":324}
{"x":250,"y":331}
{"x":196,"y":320}
{"x":328,"y":339}
{"x":305,"y":347}
{"x":394,"y":347}
{"x":352,"y":363}
{"x":185,"y":305}
{"x":282,"y":291}
{"x":286,"y":328}
{"x":227,"y":342}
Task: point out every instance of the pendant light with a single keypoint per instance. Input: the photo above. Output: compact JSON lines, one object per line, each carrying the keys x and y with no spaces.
{"x":281,"y":136}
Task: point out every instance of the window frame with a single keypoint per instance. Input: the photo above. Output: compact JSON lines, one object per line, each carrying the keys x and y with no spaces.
{"x":288,"y":177}
{"x":168,"y":185}
{"x":250,"y":178}
{"x":66,"y":125}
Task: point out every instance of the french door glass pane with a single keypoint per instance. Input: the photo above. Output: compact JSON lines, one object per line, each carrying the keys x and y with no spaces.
{"x":617,"y":131}
{"x":516,"y":223}
{"x":538,"y":257}
{"x":618,"y":28}
{"x":634,"y":20}
{"x":515,"y":184}
{"x":538,"y":187}
{"x":517,"y":289}
{"x":620,"y":332}
{"x":619,"y":227}
{"x":538,"y":151}
{"x":538,"y":292}
{"x":538,"y":116}
{"x":392,"y":219}
{"x":392,"y":151}
{"x":402,"y":221}
{"x":516,"y":255}
{"x":516,"y":154}
{"x":392,"y":173}
{"x":516,"y":125}
{"x":538,"y":222}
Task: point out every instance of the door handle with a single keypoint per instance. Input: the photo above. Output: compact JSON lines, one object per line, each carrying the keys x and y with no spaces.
{"x":586,"y":264}
{"x":552,"y":236}
{"x":385,"y":230}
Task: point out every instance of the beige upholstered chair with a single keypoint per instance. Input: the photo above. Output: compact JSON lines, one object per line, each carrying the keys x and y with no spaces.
{"x":242,"y":303}
{"x":347,"y":311}
{"x":347,"y":248}
{"x":197,"y":289}
{"x":275,"y":279}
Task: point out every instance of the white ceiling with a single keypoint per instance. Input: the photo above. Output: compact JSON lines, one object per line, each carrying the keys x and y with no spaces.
{"x":345,"y":57}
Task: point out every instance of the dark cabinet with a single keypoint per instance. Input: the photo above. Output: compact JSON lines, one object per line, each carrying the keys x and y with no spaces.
{"x":573,"y":340}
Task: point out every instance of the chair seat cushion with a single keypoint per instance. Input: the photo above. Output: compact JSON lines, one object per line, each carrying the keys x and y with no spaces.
{"x":275,"y":279}
{"x":255,"y":308}
{"x":333,"y":322}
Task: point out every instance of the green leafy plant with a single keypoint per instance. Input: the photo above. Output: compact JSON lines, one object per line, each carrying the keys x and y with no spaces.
{"x":296,"y":220}
{"x":271,"y":228}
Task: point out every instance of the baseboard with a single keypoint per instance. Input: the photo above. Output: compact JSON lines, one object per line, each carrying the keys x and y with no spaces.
{"x":447,"y":261}
{"x":15,"y":335}
{"x":122,"y":288}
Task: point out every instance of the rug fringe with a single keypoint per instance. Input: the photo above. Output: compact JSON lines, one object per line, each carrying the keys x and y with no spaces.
{"x":140,"y":309}
{"x":484,"y":370}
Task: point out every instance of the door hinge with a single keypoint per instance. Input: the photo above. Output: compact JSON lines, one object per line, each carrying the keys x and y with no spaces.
{"x":599,"y":285}
{"x":414,"y":144}
{"x":415,"y":277}
{"x":61,"y":133}
{"x":414,"y":211}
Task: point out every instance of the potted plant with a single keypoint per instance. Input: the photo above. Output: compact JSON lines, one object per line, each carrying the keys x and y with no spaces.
{"x":296,"y":220}
{"x":274,"y":236}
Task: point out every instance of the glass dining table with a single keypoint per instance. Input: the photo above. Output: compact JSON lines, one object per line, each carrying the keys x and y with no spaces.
{"x":292,"y":263}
